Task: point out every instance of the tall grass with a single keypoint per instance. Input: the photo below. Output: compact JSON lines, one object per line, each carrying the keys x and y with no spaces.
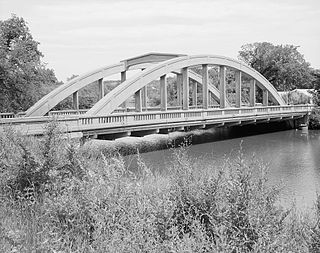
{"x":56,"y":198}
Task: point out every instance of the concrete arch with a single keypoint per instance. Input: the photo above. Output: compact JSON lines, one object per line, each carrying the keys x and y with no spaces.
{"x":46,"y":103}
{"x":118,"y":95}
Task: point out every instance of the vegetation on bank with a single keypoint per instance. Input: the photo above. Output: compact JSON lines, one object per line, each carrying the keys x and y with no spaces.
{"x":314,"y":119}
{"x":56,"y":198}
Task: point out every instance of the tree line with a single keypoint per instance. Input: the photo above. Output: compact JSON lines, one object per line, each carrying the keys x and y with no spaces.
{"x":24,"y":77}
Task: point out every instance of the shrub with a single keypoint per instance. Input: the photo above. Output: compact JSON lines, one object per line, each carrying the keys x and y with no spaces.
{"x":94,"y":204}
{"x":314,"y":119}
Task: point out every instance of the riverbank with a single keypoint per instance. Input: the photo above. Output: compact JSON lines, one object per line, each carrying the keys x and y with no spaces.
{"x":57,"y":197}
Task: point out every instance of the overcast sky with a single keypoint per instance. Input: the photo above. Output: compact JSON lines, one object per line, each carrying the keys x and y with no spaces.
{"x":77,"y":36}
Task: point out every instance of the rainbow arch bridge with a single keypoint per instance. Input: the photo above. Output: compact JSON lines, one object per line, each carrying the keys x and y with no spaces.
{"x":201,"y":101}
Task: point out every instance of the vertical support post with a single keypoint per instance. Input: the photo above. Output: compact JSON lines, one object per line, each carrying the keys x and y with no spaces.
{"x":123,"y":78}
{"x":205,"y":90}
{"x":194,"y":93}
{"x":222,"y":86}
{"x":185,"y":84}
{"x":101,"y":88}
{"x":253,"y":92}
{"x":138,"y":102}
{"x":265,"y":97}
{"x":75,"y":100}
{"x":163,"y":92}
{"x":144,"y":97}
{"x":238,"y":80}
{"x":179,"y":89}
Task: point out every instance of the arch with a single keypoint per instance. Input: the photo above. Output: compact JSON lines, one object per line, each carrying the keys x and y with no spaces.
{"x":121,"y":93}
{"x":50,"y":100}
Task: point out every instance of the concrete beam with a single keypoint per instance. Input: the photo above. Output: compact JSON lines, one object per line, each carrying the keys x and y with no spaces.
{"x":179,"y":89}
{"x":100,"y":88}
{"x":75,"y":100}
{"x":123,"y":79}
{"x":185,"y":83}
{"x":163,"y":93}
{"x":238,"y":80}
{"x":253,"y":92}
{"x":222,"y":86}
{"x":205,"y":84}
{"x":138,"y":101}
{"x":144,"y":97}
{"x":265,"y":99}
{"x":194,"y":93}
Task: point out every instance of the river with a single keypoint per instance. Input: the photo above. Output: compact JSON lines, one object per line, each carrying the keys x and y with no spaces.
{"x":293,"y":159}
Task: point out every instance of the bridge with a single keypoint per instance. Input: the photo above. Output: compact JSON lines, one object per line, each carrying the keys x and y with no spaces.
{"x":210,"y":91}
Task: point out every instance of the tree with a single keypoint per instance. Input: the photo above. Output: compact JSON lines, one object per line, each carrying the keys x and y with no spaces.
{"x":316,"y":86}
{"x":282,"y":65}
{"x":24,"y":79}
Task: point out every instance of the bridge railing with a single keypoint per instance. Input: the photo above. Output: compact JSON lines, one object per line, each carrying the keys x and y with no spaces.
{"x":190,"y":115}
{"x":78,"y":123}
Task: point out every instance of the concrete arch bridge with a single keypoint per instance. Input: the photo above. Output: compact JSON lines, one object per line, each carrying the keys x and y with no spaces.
{"x":209,"y":91}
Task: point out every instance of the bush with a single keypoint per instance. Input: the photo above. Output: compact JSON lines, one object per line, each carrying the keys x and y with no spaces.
{"x":314,"y":119}
{"x":106,"y":208}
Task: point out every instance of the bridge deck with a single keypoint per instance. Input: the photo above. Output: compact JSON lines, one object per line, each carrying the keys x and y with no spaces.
{"x":126,"y":122}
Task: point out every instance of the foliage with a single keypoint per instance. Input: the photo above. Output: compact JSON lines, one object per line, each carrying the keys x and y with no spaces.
{"x":316,"y":86}
{"x":282,"y":65}
{"x":314,"y":119}
{"x":106,"y":208}
{"x":24,"y":79}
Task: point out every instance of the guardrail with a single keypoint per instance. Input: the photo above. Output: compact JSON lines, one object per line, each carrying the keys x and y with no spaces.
{"x":80,"y":123}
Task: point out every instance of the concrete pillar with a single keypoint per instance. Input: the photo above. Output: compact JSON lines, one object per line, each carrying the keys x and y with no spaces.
{"x":253,"y":92}
{"x":185,"y":84}
{"x":123,"y":78}
{"x":222,"y":87}
{"x":205,"y":83}
{"x":138,"y":101}
{"x":101,"y":88}
{"x":194,"y":93}
{"x":179,"y":89}
{"x":144,"y":97}
{"x":238,"y":88}
{"x":265,"y":98}
{"x":163,"y":93}
{"x":75,"y":100}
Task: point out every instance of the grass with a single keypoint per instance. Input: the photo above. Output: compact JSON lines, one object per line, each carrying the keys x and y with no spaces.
{"x":55,"y":197}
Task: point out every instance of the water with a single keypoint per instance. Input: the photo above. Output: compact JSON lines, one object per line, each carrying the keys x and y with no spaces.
{"x":292,"y":157}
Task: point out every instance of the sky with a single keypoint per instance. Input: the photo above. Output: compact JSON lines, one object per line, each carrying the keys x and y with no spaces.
{"x":77,"y":36}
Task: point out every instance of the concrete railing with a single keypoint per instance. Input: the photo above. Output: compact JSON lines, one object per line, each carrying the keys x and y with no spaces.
{"x":82,"y":123}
